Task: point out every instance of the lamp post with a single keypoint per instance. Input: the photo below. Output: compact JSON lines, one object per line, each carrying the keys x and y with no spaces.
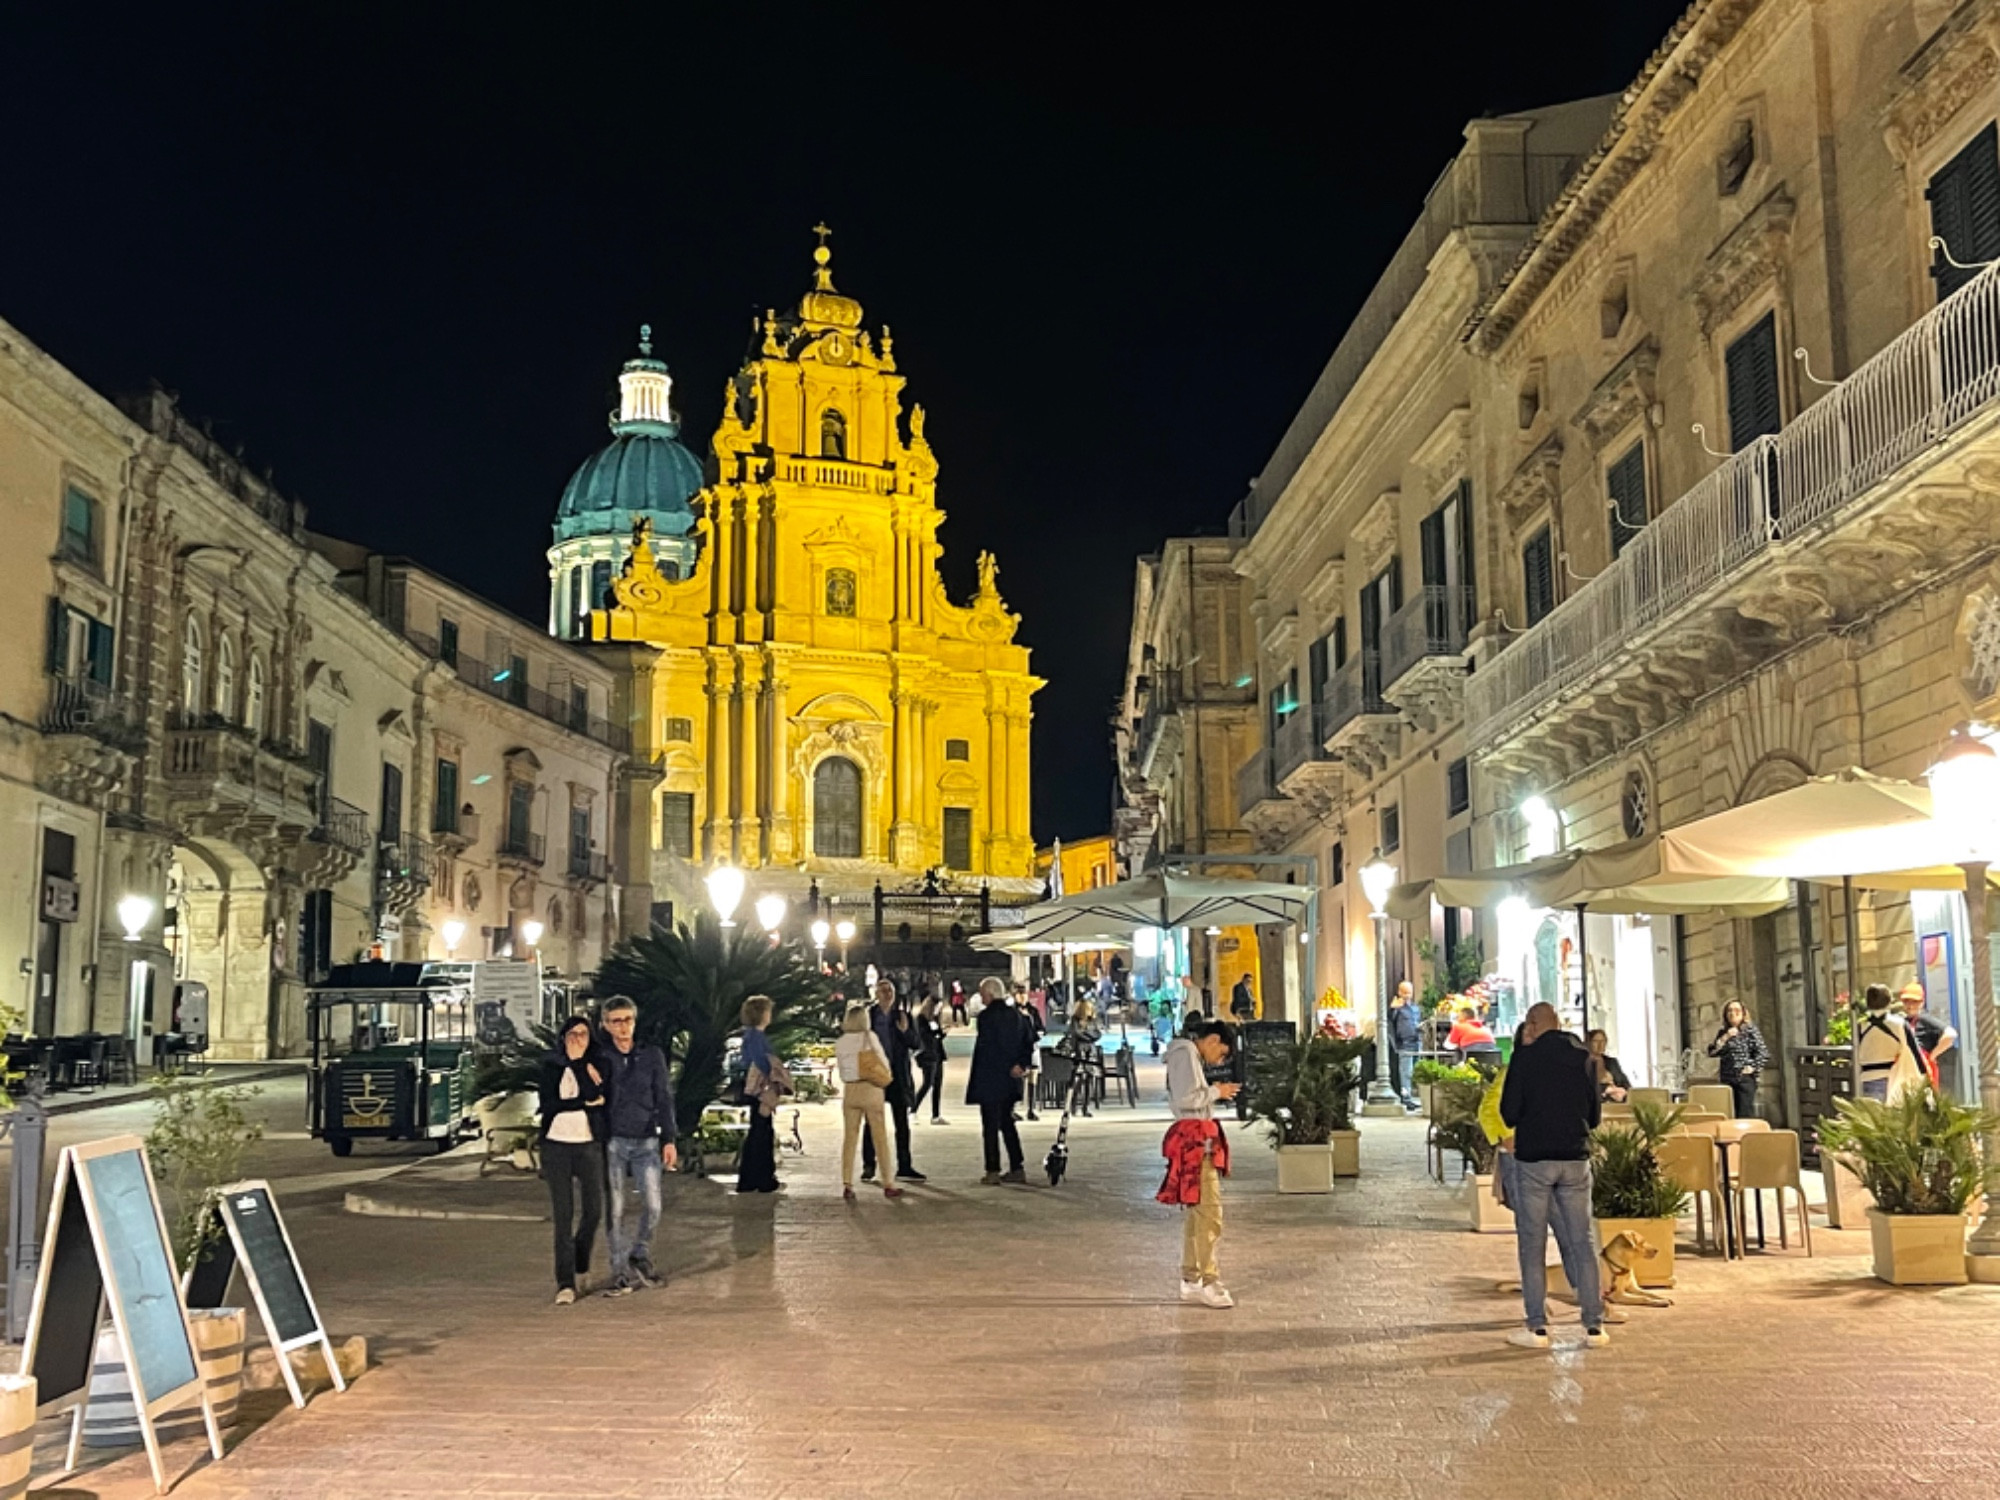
{"x":1378,"y":878}
{"x":1965,"y":798}
{"x":134,"y":912}
{"x":821,"y":931}
{"x":725,"y":890}
{"x":531,"y":934}
{"x":451,"y":932}
{"x":770,"y":913}
{"x":844,"y":930}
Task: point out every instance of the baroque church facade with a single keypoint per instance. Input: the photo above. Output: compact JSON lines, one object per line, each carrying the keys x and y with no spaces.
{"x":805,"y":700}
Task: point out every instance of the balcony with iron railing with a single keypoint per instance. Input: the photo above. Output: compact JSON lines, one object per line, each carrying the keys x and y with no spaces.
{"x":1354,"y":689}
{"x":589,"y":866}
{"x":1433,"y":623}
{"x":341,"y":825}
{"x":403,"y":869}
{"x":521,"y":847}
{"x":1782,"y":498}
{"x":502,"y":683}
{"x":1255,"y":784}
{"x":82,"y":705}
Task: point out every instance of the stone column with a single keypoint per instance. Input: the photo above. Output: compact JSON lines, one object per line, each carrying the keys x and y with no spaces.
{"x":749,"y":803}
{"x":777,"y":759}
{"x":718,"y":840}
{"x":1017,"y":782}
{"x":902,"y":829}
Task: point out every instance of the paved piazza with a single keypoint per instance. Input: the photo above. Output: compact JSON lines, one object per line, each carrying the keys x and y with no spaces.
{"x":992,"y":1342}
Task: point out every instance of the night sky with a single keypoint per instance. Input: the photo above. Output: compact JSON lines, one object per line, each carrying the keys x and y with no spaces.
{"x":398,"y":252}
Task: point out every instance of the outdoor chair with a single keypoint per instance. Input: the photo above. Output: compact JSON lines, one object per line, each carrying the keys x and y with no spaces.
{"x":1658,"y":1098}
{"x":1712,"y":1098}
{"x":1126,"y":1071}
{"x":1768,"y":1161}
{"x":119,"y":1064}
{"x":1690,"y":1161}
{"x":1057,"y":1072}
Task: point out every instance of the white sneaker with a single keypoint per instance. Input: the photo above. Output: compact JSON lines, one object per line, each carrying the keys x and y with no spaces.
{"x":1190,"y":1291}
{"x":1529,"y":1338}
{"x":1597,"y":1338}
{"x":1213,"y":1294}
{"x":565,"y":1296}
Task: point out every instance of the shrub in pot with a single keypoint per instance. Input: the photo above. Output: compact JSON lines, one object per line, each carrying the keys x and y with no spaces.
{"x":1455,"y":1127}
{"x":1304,"y":1092}
{"x":1630,"y":1191}
{"x":1429,"y":1072}
{"x":1919,"y":1158}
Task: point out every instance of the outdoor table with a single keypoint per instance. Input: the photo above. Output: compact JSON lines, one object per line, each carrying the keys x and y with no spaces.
{"x":1728,"y":1135}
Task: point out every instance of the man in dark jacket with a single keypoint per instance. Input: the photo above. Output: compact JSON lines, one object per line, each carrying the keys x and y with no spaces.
{"x":1403,"y":1043}
{"x":639,"y":1142}
{"x":893,"y":1028}
{"x":1550,"y":1102}
{"x":1003,"y":1051}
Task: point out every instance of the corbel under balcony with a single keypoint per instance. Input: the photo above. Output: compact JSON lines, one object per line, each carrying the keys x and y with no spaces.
{"x":1431,"y":692}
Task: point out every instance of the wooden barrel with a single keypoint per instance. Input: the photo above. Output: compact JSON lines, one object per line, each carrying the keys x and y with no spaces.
{"x":17,"y":1434}
{"x":112,"y":1421}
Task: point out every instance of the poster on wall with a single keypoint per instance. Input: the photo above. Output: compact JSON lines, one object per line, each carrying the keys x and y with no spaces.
{"x":507,"y":996}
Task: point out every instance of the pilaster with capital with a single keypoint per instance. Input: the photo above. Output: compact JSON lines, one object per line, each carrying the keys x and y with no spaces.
{"x":718,"y":833}
{"x":749,"y":802}
{"x":777,"y":756}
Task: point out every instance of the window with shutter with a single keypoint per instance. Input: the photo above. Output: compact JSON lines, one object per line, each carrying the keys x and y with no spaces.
{"x":1965,"y":211}
{"x":1750,"y":365}
{"x":678,"y":731}
{"x":101,"y":661}
{"x":58,"y":657}
{"x":677,"y":823}
{"x":448,"y":642}
{"x":1392,"y":828}
{"x":837,"y":808}
{"x":444,"y":812}
{"x":392,"y":802}
{"x":1340,"y":643}
{"x":1625,"y":482}
{"x":958,"y":838}
{"x":1538,"y":576}
{"x":1457,"y":787}
{"x":1316,"y":671}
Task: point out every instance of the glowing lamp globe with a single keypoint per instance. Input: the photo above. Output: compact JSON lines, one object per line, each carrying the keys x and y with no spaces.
{"x":1378,"y":878}
{"x":770,"y":910}
{"x":820,"y":933}
{"x":844,"y":930}
{"x":134,"y":912}
{"x":725,"y":890}
{"x":1965,"y":792}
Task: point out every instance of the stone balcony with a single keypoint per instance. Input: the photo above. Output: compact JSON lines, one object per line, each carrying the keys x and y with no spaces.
{"x":1423,"y":655}
{"x":1890,"y":477}
{"x":223,"y":783}
{"x":1303,"y":769}
{"x":402,"y":872}
{"x":1361,"y":727}
{"x":89,"y":741}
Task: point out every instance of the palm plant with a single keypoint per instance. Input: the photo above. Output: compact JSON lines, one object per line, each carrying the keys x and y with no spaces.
{"x":1918,"y":1154}
{"x":1304,"y":1090}
{"x":1626,"y":1178}
{"x":689,"y":985}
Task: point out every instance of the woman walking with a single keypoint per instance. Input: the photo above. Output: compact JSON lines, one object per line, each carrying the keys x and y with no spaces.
{"x":572,"y":1108}
{"x":864,"y":1074}
{"x":1740,"y":1047}
{"x":765,"y":1081}
{"x":930,"y":1058}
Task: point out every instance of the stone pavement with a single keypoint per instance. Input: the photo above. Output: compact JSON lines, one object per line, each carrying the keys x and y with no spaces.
{"x":978,"y":1342}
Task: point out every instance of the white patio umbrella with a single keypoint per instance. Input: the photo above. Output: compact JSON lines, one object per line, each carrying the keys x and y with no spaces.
{"x":1162,"y":899}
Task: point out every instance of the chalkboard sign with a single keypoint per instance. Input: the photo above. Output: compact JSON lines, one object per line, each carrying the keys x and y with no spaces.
{"x":107,"y":1246}
{"x":257,"y":1243}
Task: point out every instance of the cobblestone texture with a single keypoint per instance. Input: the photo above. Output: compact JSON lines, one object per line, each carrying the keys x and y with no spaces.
{"x":974,"y":1341}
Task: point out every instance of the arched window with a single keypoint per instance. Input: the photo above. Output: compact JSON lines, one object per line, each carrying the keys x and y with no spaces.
{"x":840,"y":592}
{"x":225,"y":678}
{"x":253,"y":696}
{"x":832,"y":434}
{"x":191,"y":654}
{"x":600,"y":591}
{"x":837,"y":808}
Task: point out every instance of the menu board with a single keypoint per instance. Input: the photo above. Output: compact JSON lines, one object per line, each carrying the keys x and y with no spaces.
{"x":142,"y":1283}
{"x":257,"y":1242}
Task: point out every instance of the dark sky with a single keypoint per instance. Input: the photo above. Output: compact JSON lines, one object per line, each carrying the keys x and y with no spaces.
{"x":399,"y":251}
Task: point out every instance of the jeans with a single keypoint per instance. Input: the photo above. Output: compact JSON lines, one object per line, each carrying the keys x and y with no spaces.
{"x":638,"y":1158}
{"x":1507,"y":1170}
{"x":581,"y":1166}
{"x":996,"y":1124}
{"x":1556,"y":1195}
{"x":898,"y":1101}
{"x":1401,"y":1065}
{"x":933,"y":1084}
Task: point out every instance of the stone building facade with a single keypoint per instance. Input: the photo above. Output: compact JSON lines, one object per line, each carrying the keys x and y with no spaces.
{"x":1666,"y":619}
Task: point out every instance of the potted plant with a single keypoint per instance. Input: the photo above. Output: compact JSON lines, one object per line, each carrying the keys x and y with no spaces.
{"x":1630,"y":1191}
{"x":1919,"y":1158}
{"x":1455,"y":1126}
{"x":1429,"y":1072}
{"x":1304,"y":1091}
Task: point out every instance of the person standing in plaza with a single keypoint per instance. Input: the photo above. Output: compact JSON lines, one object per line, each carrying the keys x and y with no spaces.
{"x":1197,"y":1154}
{"x":930,"y":1058}
{"x":1403,"y":1043}
{"x":1243,"y":999}
{"x":1031,"y":1019}
{"x":1934,"y":1037}
{"x":1885,"y":1054}
{"x":1550,"y":1101}
{"x":1742,"y":1055}
{"x":891,"y":1024}
{"x":958,"y":1016}
{"x":572,"y":1100}
{"x":1002,"y":1054}
{"x":765,"y":1082}
{"x":639,"y":1142}
{"x":863,"y":1064}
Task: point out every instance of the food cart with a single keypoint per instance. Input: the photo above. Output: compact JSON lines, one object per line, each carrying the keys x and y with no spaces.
{"x":391,"y":1057}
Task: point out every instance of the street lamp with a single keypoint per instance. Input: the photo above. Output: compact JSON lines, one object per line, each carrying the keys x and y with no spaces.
{"x":820,"y":933}
{"x":1378,"y":878}
{"x":451,"y":932}
{"x":134,"y":912}
{"x":725,"y":889}
{"x":1965,"y":799}
{"x":844,"y":930}
{"x":531,"y":934}
{"x":770,"y":912}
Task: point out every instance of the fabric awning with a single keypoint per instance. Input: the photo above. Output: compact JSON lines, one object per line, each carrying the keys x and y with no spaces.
{"x":1411,"y":901}
{"x":1160,"y":899}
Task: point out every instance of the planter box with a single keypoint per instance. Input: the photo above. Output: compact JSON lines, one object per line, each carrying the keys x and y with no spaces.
{"x":1918,"y":1249}
{"x":17,"y":1432}
{"x":1346,"y":1146}
{"x":1489,"y":1214}
{"x":1659,"y":1233}
{"x":1847,"y":1201}
{"x":1305,"y":1169}
{"x":1424,"y":1098}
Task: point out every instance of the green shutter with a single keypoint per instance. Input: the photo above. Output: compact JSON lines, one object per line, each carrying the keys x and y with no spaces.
{"x":58,"y":637}
{"x":1965,"y":211}
{"x":1625,"y":481}
{"x":1750,"y":365}
{"x":102,"y":666}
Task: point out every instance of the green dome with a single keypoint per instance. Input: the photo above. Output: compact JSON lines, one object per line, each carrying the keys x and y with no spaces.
{"x":643,"y":472}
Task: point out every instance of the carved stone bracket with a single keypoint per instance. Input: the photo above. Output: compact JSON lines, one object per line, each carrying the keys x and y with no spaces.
{"x":1535,"y":486}
{"x":1953,"y":69}
{"x":1622,"y":396}
{"x":1315,"y":785}
{"x":1431,"y":692}
{"x":1372,"y":541}
{"x":1753,"y":255}
{"x":1369,"y":743}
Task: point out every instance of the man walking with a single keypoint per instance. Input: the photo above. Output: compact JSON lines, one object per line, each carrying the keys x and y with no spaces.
{"x":639,"y":1143}
{"x":1002,"y":1054}
{"x":891,"y":1024}
{"x":1403,"y":1043}
{"x":1197,"y":1154}
{"x":1550,"y":1101}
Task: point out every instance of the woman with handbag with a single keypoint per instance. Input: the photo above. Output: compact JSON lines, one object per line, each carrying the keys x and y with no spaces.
{"x":765,"y":1082}
{"x":864,"y":1074}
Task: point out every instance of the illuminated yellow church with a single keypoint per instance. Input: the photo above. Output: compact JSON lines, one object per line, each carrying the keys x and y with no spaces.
{"x":808,"y":699}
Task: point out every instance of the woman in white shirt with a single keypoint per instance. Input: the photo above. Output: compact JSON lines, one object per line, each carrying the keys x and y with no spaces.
{"x":572,"y":1104}
{"x":864,"y":1072}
